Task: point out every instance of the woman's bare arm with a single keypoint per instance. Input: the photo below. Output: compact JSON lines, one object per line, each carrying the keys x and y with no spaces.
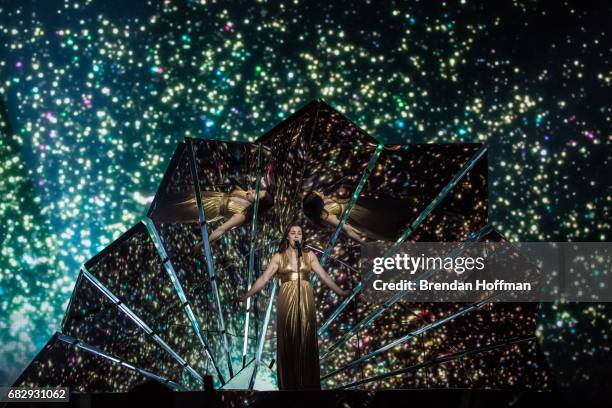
{"x":260,"y":283}
{"x":349,"y":229}
{"x":235,"y":220}
{"x":316,"y":266}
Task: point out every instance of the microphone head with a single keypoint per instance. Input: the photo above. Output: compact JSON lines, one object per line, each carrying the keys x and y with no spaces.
{"x":298,"y":247}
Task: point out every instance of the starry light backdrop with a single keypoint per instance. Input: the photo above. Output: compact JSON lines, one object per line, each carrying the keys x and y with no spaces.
{"x":96,"y":95}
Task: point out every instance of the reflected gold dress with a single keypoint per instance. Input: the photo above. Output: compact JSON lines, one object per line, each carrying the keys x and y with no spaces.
{"x":182,"y":207}
{"x":296,"y":324}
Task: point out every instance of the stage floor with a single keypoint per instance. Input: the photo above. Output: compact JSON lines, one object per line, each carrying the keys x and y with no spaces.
{"x":344,"y":399}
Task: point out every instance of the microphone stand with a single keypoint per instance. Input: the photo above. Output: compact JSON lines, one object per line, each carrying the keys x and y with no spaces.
{"x":298,"y":246}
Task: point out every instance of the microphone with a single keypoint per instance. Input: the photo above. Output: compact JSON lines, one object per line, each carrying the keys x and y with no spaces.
{"x":298,"y":246}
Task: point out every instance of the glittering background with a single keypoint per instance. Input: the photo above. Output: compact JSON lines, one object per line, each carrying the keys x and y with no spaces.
{"x":96,"y":95}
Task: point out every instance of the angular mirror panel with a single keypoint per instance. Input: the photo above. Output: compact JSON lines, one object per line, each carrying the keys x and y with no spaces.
{"x":132,"y":270}
{"x":175,"y":198}
{"x":501,"y":327}
{"x":227,"y":175}
{"x":175,"y":222}
{"x":469,"y":180}
{"x":378,"y":374}
{"x":501,"y":369}
{"x":463,"y":210}
{"x":405,"y":181}
{"x":469,"y":331}
{"x":287,"y":146}
{"x":80,"y":368}
{"x":92,"y":318}
{"x":444,"y":343}
{"x":338,"y":155}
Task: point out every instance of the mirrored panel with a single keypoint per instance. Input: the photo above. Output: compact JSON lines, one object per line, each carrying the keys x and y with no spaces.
{"x":132,"y":270}
{"x":463,"y":210}
{"x":91,"y":317}
{"x":175,"y":218}
{"x":61,"y":363}
{"x":287,"y":145}
{"x":228,"y":174}
{"x":426,"y":175}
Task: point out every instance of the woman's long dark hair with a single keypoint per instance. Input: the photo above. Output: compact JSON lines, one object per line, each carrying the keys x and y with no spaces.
{"x":264,"y":204}
{"x":285,"y":242}
{"x":314,"y":208}
{"x":267,"y":201}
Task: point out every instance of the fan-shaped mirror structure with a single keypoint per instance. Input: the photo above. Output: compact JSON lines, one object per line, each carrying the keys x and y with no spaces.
{"x":162,"y":300}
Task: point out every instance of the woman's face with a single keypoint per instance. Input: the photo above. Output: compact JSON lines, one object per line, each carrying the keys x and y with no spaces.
{"x":295,"y":234}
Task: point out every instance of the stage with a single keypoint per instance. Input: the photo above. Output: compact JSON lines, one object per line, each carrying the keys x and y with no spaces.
{"x":345,"y":399}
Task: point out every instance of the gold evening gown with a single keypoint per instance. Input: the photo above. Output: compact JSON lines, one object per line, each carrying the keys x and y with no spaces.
{"x":182,"y":207}
{"x":297,"y":348}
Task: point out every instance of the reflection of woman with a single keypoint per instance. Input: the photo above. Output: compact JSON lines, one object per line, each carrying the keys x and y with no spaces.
{"x":234,"y":208}
{"x":297,"y":347}
{"x":370,"y":218}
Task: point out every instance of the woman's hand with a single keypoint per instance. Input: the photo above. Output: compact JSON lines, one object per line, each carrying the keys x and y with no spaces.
{"x":344,"y":293}
{"x":242,"y":298}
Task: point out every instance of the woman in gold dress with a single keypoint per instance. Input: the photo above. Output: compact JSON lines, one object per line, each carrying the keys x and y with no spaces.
{"x":370,"y":218}
{"x":297,"y":347}
{"x":234,"y":208}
